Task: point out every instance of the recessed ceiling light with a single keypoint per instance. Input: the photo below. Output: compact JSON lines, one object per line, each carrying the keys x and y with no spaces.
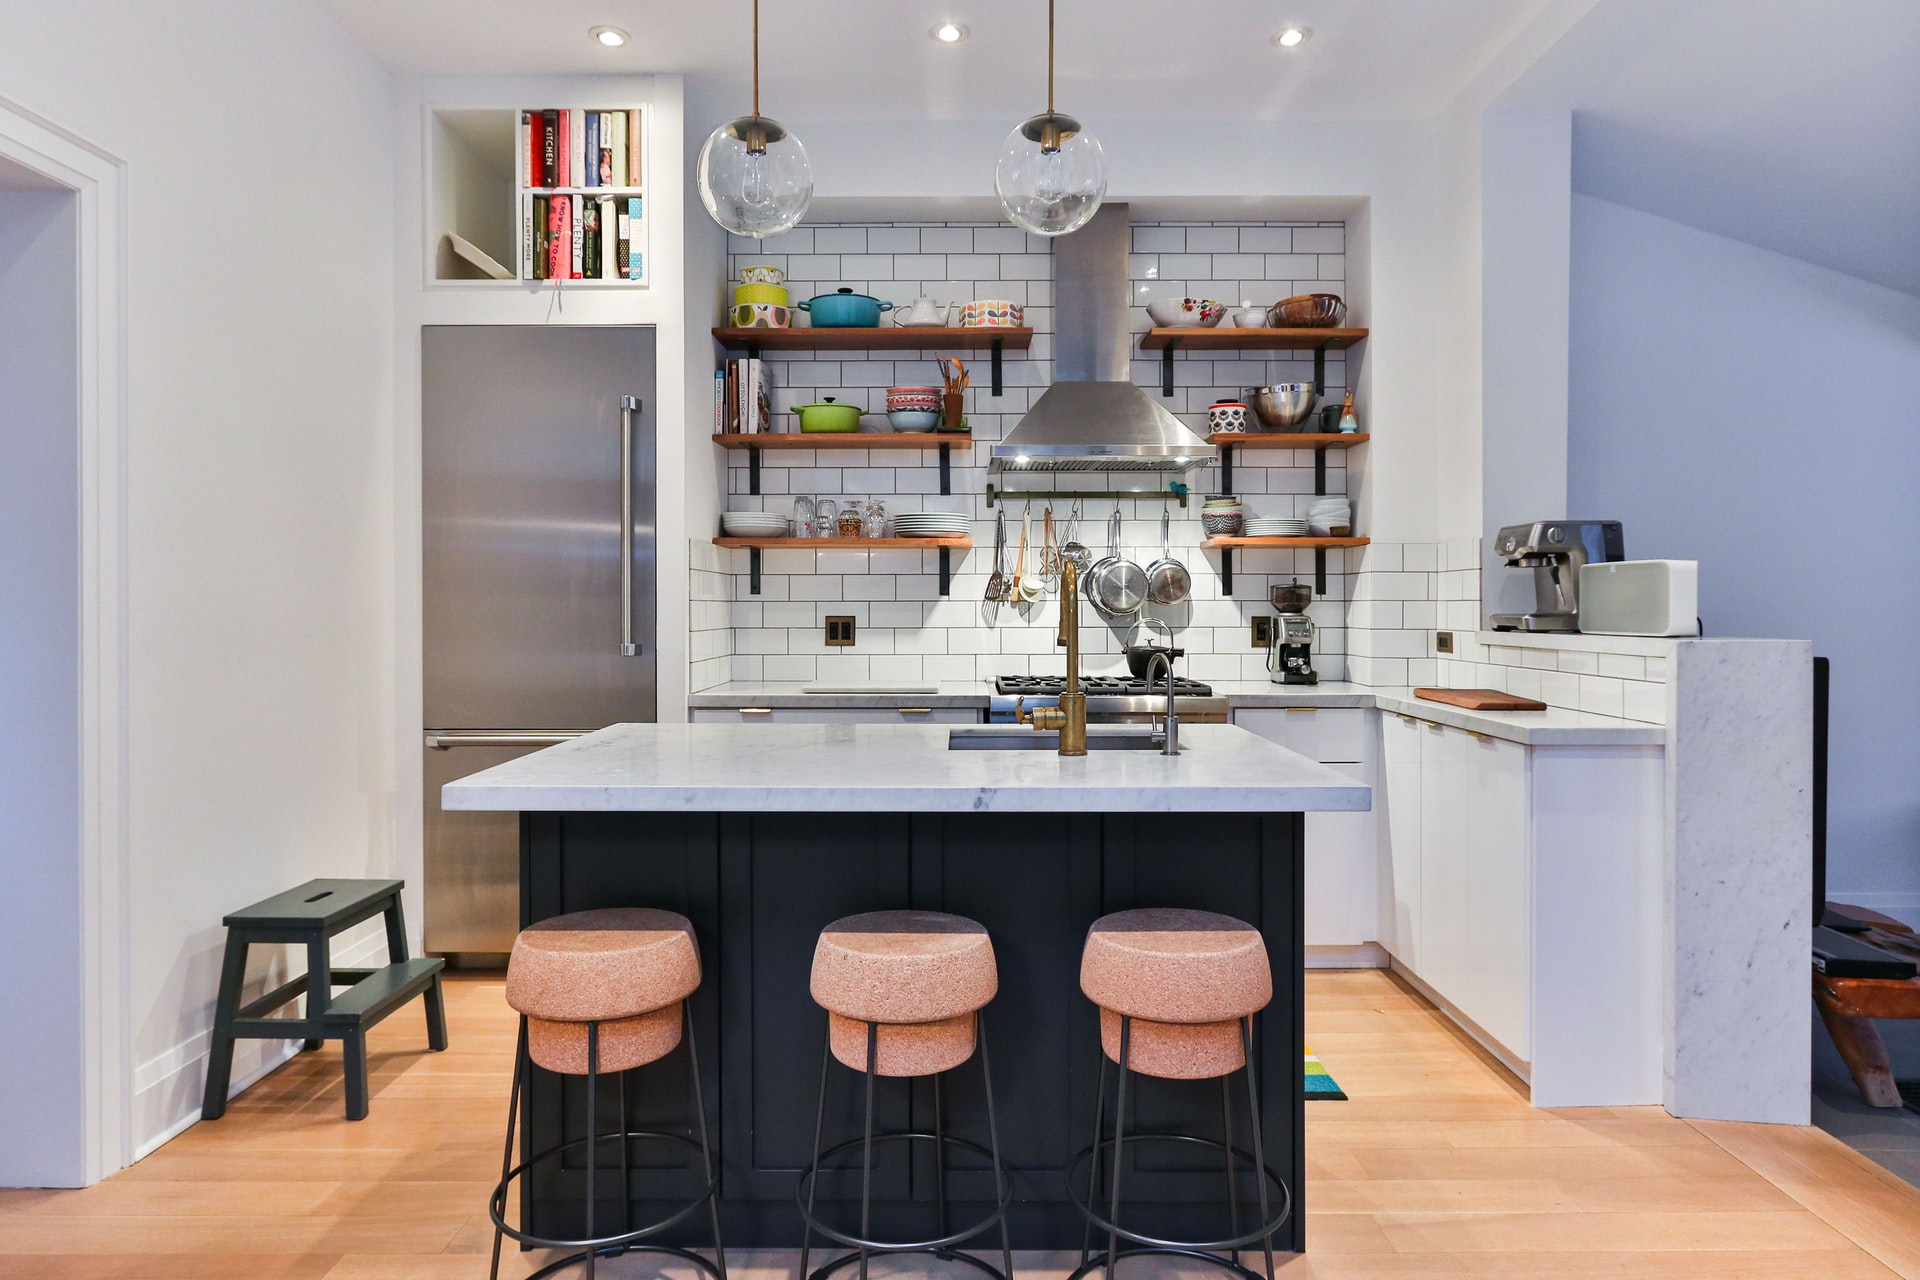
{"x":949,"y":32}
{"x":612,"y":37}
{"x":1293,"y":37}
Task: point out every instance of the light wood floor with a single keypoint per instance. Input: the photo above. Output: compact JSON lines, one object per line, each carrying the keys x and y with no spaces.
{"x":1435,"y":1168}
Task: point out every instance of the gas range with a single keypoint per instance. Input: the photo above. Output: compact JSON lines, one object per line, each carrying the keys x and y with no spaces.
{"x":1110,"y":699}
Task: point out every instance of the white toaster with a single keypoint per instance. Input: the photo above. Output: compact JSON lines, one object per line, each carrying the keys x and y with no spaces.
{"x":1640,"y":598}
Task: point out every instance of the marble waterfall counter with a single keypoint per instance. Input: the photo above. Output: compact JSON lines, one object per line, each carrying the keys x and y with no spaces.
{"x":763,"y":834}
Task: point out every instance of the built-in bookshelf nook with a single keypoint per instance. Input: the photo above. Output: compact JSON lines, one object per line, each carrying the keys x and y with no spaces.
{"x":539,"y":194}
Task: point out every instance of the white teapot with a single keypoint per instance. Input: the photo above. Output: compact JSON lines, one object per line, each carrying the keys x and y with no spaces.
{"x":924,"y":313}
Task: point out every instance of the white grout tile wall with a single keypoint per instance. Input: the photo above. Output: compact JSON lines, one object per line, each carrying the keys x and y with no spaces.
{"x":905,"y":629}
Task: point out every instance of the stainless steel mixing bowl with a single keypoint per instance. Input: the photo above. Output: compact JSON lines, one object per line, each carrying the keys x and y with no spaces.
{"x":1282,"y":404}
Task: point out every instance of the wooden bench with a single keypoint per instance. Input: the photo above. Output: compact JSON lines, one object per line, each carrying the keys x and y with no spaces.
{"x":1848,"y":1006}
{"x":310,"y":916}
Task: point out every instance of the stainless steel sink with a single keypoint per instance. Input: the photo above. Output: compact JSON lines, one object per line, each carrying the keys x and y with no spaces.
{"x":1022,"y":739}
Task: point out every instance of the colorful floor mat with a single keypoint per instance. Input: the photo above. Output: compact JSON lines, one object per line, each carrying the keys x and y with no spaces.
{"x":1320,"y":1085}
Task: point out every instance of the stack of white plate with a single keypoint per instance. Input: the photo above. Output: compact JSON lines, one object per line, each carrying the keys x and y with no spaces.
{"x":1327,"y":514}
{"x":753,"y":524}
{"x":1275,"y":527}
{"x":932,"y":524}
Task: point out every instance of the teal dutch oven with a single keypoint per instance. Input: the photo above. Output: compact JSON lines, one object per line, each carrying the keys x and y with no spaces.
{"x":844,"y":309}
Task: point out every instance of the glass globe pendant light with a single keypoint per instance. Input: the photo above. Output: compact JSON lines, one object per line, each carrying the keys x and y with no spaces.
{"x":1051,"y":174}
{"x":752,"y":174}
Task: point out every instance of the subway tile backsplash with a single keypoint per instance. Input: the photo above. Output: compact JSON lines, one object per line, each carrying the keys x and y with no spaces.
{"x":919,"y":635}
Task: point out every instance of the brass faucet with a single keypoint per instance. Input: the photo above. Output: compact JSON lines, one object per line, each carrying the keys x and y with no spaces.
{"x":1070,"y":717}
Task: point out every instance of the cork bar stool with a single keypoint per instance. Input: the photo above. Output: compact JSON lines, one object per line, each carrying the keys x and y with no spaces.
{"x":600,"y":993}
{"x":1177,"y":992}
{"x":903,"y":992}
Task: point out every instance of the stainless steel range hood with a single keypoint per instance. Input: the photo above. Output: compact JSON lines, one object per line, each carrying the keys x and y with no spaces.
{"x":1093,"y":418}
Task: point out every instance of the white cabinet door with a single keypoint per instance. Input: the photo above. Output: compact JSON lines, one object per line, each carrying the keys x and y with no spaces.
{"x":1331,"y":735}
{"x":1396,"y":805}
{"x":1343,"y":892}
{"x":1496,"y":994}
{"x":1445,"y":896}
{"x":835,"y":715}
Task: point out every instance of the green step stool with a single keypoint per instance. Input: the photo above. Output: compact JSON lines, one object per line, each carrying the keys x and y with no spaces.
{"x":311,"y":915}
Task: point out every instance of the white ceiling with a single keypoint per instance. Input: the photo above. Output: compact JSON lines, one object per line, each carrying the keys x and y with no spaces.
{"x":873,"y":59}
{"x":1788,"y":125}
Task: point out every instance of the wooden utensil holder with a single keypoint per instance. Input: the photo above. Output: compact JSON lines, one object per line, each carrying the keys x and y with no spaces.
{"x":953,"y":411}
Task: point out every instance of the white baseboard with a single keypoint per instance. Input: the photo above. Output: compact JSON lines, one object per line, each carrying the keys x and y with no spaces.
{"x":1359,"y":955}
{"x":1506,"y":1057}
{"x":168,"y":1088}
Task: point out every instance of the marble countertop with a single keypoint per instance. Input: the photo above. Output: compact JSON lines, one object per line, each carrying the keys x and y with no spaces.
{"x":1554,"y":727}
{"x":860,"y":768}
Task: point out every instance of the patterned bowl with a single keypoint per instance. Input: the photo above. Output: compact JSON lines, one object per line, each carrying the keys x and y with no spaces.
{"x":1222,"y":523}
{"x":1178,"y":313}
{"x":762,"y":273}
{"x":992,"y":313}
{"x":760,"y":315}
{"x":1227,"y":416}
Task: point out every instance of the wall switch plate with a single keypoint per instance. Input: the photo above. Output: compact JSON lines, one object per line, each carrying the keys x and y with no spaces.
{"x":839,"y":629}
{"x":1262,"y":632}
{"x":1443,"y":642}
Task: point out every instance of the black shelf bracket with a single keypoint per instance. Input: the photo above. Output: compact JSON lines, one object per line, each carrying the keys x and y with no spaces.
{"x":1226,"y":571}
{"x":1319,"y":473}
{"x":946,"y":469}
{"x":753,"y":350}
{"x":1226,"y":468}
{"x":997,"y":387}
{"x":753,"y":570}
{"x":1320,"y":371}
{"x":946,"y":570}
{"x":1166,"y":366}
{"x":1320,"y":572}
{"x":753,"y":471}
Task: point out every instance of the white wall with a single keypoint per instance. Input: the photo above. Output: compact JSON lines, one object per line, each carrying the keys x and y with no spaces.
{"x":256,"y":140}
{"x":40,"y":1083}
{"x":1758,"y":414}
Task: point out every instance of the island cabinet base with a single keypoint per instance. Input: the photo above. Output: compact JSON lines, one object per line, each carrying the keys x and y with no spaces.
{"x":759,"y":887}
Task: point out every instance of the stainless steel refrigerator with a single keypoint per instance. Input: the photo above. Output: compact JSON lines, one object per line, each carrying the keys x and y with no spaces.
{"x":539,"y":573}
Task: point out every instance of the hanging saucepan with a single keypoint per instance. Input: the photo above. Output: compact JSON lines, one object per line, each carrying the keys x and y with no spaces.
{"x":1168,"y":581}
{"x":844,"y":309}
{"x":1119,"y":585}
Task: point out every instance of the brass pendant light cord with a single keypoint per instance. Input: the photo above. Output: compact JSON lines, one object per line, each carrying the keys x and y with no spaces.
{"x":1049,"y":54}
{"x":756,"y":57}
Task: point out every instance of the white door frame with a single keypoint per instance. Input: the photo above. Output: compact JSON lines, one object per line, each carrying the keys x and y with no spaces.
{"x":100,"y":182}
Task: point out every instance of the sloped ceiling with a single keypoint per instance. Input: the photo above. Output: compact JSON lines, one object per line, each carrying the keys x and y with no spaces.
{"x":1788,"y":125}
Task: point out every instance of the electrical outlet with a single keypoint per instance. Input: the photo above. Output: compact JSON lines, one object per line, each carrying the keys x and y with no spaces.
{"x":1443,"y":642}
{"x":839,"y":629}
{"x":1262,"y":632}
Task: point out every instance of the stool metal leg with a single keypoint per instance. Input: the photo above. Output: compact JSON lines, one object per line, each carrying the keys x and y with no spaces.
{"x":513,"y":1115}
{"x":866,"y":1165}
{"x":593,"y":1154}
{"x":940,"y":1154}
{"x":993,"y":1139}
{"x":706,"y":1148}
{"x":819,"y":1122}
{"x":1226,"y":1136}
{"x":1253,"y":1118}
{"x":1119,"y":1127}
{"x":626,"y":1175}
{"x":1095,"y":1164}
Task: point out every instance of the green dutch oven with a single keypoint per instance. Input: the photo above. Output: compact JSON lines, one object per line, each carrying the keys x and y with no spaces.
{"x":829,"y":417}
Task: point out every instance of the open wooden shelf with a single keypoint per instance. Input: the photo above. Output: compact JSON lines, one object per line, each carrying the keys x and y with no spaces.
{"x":847,"y":440}
{"x":849,"y":544}
{"x":945,"y":546}
{"x":1227,"y":546}
{"x":1218,"y":544}
{"x":1286,"y":440}
{"x":891,"y":337}
{"x":1223,"y":338}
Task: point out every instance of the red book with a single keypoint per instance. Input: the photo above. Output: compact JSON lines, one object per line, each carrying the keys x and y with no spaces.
{"x":560,"y":247}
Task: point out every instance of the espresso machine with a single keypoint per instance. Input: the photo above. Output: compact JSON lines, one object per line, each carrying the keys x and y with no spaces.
{"x":1555,"y":550}
{"x":1290,"y":659}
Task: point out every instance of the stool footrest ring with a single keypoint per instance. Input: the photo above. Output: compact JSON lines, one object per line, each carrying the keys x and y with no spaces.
{"x":1191,"y":1248}
{"x":808,"y":1174}
{"x":619,"y":1242}
{"x":1099,"y":1261}
{"x":616,"y":1251}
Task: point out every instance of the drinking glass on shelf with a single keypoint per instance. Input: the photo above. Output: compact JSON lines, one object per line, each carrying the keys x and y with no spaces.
{"x":803,"y":517}
{"x":826,"y":516}
{"x":875,"y":524}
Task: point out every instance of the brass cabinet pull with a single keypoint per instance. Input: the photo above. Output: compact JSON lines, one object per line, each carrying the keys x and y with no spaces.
{"x":916,"y":711}
{"x":1298,"y":710}
{"x":756,"y":711}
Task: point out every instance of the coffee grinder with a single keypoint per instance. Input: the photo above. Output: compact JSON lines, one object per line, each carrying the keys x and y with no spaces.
{"x":1290,"y":660}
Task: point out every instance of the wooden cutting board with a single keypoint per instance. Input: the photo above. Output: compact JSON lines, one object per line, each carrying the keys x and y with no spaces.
{"x":1481,"y":699}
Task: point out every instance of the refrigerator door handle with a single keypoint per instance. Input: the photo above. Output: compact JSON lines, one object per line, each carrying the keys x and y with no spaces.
{"x":447,"y":741}
{"x":629,"y":405}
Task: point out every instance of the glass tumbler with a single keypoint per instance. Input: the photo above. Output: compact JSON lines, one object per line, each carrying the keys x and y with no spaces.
{"x":826,"y":515}
{"x":803,"y":517}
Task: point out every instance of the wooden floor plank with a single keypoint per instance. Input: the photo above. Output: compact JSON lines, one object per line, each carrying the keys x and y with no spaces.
{"x":1437,"y":1167}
